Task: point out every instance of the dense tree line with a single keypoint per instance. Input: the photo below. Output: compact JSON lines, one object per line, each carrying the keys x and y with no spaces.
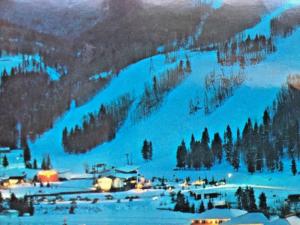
{"x":220,"y":27}
{"x":29,"y":100}
{"x":260,"y":146}
{"x":97,"y":128}
{"x":154,"y":93}
{"x":246,"y":200}
{"x":46,"y":163}
{"x":182,"y":204}
{"x":245,"y":52}
{"x":286,"y":23}
{"x":199,"y":155}
{"x":22,"y":205}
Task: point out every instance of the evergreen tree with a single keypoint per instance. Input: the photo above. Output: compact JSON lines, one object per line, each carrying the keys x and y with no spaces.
{"x":207,"y":154}
{"x":294,"y":167}
{"x":44,"y":165}
{"x":5,"y":162}
{"x":188,"y":160}
{"x":180,"y":67}
{"x":236,"y":152}
{"x":192,"y":142}
{"x":1,"y":198}
{"x":35,"y":166}
{"x":48,"y":162}
{"x":280,"y":166}
{"x":210,"y":205}
{"x":266,"y":122}
{"x":181,"y":155}
{"x":271,"y":156}
{"x":197,"y":155}
{"x":192,"y":208}
{"x":65,"y":137}
{"x":239,"y":195}
{"x":252,"y":203}
{"x":263,"y":203}
{"x":245,"y":198}
{"x":180,"y":202}
{"x":216,"y":147}
{"x":26,"y":153}
{"x":228,"y":143}
{"x":257,"y":149}
{"x":250,"y":162}
{"x":150,"y":152}
{"x":31,"y":208}
{"x":188,"y":67}
{"x":236,"y":158}
{"x":259,"y":159}
{"x":145,"y":150}
{"x":201,"y":208}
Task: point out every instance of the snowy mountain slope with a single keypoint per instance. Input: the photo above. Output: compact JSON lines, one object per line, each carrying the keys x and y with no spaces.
{"x":7,"y":62}
{"x":264,"y":27}
{"x":172,"y":122}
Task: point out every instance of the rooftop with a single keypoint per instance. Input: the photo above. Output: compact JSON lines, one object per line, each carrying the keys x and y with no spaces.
{"x":249,"y":218}
{"x":221,"y":213}
{"x":127,"y":169}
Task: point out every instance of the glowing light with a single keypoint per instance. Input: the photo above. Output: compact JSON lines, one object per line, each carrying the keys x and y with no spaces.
{"x":104,"y":184}
{"x":48,"y":176}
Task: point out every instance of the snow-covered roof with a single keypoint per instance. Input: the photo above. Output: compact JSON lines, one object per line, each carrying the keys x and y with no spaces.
{"x":222,"y":214}
{"x":127,"y":169}
{"x":124,"y":175}
{"x":249,"y":218}
{"x":293,"y":220}
{"x":279,"y":222}
{"x":4,"y":178}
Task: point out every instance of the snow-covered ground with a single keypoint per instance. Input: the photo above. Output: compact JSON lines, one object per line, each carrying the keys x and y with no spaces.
{"x":124,"y":213}
{"x":172,"y":122}
{"x":150,"y":207}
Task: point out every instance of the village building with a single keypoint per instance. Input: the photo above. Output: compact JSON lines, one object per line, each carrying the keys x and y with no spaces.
{"x":294,"y":200}
{"x":101,"y":169}
{"x":10,"y":181}
{"x":129,"y":169}
{"x":249,"y":219}
{"x":48,"y":176}
{"x":217,"y":216}
{"x":120,"y":179}
{"x":198,"y":183}
{"x":104,"y":184}
{"x":211,"y":195}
